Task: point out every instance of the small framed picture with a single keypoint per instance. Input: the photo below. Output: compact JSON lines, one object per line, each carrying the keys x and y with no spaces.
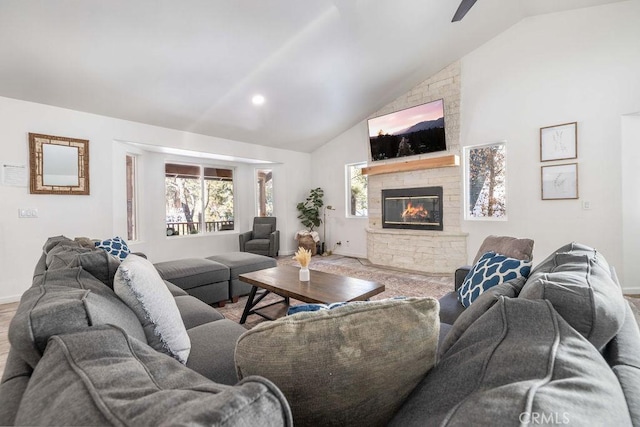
{"x":560,"y":182}
{"x":559,"y":142}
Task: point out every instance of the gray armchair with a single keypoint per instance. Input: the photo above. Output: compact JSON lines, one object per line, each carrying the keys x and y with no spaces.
{"x":264,"y":239}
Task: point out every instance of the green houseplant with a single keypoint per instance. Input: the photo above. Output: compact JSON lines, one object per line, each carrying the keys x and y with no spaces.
{"x":310,"y":209}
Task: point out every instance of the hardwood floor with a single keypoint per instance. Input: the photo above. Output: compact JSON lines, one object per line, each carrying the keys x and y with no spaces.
{"x":6,"y":314}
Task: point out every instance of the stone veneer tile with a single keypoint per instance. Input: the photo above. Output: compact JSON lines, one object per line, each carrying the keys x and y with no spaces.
{"x":428,"y":251}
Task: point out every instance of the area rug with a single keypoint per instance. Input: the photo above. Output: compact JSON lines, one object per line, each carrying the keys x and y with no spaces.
{"x":396,"y":282}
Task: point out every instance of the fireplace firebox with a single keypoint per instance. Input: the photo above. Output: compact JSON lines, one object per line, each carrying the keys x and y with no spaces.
{"x":412,"y":208}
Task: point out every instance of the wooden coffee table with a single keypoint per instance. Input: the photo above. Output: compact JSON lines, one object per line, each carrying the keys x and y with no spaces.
{"x":323,"y":288}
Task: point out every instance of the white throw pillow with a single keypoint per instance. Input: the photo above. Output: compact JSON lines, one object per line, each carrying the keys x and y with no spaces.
{"x":139,"y":285}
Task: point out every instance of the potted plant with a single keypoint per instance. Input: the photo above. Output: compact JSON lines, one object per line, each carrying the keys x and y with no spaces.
{"x":310,"y":217}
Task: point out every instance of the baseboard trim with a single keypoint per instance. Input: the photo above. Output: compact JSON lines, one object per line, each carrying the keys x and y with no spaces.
{"x":350,"y":254}
{"x":631,"y":291}
{"x":8,"y":300}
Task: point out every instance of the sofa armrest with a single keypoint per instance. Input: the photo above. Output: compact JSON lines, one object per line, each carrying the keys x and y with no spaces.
{"x":460,"y":275}
{"x":244,"y":238}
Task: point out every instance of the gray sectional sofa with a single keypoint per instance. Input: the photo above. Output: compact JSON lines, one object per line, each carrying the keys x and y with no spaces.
{"x":77,"y":349}
{"x":560,"y":347}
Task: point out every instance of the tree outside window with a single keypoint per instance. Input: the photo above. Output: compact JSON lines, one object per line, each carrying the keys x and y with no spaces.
{"x":198,"y":199}
{"x":356,"y":190}
{"x":264,"y":192}
{"x":486,"y":181}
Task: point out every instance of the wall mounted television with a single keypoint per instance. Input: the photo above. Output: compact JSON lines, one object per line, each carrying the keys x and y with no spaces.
{"x":409,"y":132}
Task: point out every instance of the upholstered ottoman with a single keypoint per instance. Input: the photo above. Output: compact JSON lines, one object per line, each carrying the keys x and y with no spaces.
{"x":238,"y":263}
{"x":205,"y":279}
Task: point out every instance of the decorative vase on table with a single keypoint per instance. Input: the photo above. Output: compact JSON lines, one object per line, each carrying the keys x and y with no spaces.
{"x":304,"y":274}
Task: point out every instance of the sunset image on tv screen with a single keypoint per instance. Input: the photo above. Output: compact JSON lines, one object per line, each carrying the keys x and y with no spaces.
{"x":409,"y":132}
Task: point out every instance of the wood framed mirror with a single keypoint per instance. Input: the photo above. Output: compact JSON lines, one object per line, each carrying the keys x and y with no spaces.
{"x":58,"y":165}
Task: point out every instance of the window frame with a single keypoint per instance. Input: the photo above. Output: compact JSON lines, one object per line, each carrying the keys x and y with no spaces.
{"x":134,"y":215}
{"x":466,"y":183}
{"x":257,"y":191}
{"x":348,"y":179}
{"x":202,"y":222}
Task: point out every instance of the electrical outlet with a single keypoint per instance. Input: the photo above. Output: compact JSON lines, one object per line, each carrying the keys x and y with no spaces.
{"x":339,"y":242}
{"x":347,"y":243}
{"x":586,"y":205}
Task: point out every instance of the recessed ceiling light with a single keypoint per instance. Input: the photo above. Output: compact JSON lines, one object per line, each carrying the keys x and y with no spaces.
{"x":257,"y":100}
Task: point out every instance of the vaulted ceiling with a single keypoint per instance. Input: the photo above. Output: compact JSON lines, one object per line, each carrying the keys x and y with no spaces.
{"x":194,"y":65}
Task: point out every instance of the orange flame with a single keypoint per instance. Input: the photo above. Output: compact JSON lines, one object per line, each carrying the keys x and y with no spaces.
{"x":417,"y":212}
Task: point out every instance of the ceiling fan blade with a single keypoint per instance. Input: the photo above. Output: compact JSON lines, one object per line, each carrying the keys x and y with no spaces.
{"x":464,"y":7}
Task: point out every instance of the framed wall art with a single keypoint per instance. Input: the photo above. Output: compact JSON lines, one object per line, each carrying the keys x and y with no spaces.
{"x":560,"y":182}
{"x":559,"y":142}
{"x":58,"y":165}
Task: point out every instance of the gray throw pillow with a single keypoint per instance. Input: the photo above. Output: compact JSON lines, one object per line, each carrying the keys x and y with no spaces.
{"x":139,"y":285}
{"x":261,"y":231}
{"x":577,"y":280}
{"x":99,"y":264}
{"x":518,"y":361}
{"x":509,"y":246}
{"x":353,"y":365}
{"x":102,"y":377}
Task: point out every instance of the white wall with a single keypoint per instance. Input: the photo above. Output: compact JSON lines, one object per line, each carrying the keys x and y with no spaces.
{"x":101,"y":214}
{"x":581,"y":65}
{"x":328,"y":168}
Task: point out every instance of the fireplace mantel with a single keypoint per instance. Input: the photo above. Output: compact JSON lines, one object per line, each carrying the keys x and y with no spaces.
{"x":412,"y":165}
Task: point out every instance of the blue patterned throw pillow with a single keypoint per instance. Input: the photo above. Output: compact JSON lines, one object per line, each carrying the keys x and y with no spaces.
{"x":491,"y":270}
{"x":302,"y":308}
{"x":116,"y":247}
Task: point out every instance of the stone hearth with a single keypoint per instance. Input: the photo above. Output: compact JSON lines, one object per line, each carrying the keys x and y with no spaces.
{"x":423,"y":250}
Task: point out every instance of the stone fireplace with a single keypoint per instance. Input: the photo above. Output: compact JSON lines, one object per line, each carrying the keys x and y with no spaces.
{"x":412,"y":208}
{"x":431,"y":242}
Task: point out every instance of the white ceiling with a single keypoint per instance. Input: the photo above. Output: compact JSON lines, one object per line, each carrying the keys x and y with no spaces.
{"x":193,"y":65}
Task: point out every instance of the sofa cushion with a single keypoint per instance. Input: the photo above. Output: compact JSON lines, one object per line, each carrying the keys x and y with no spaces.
{"x":194,"y":312}
{"x":623,"y":355}
{"x":213,"y":346}
{"x":258,"y":245}
{"x":509,"y":289}
{"x":116,"y":246}
{"x":505,"y":245}
{"x":14,"y":382}
{"x":97,"y":262}
{"x":518,"y":361}
{"x":491,"y":270}
{"x":353,"y":365}
{"x":140,"y":286}
{"x":62,"y":301}
{"x":63,"y":254}
{"x":176,"y":291}
{"x":261,"y":231}
{"x":52,"y":242}
{"x":101,"y":377}
{"x":450,"y":307}
{"x":578,"y":282}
